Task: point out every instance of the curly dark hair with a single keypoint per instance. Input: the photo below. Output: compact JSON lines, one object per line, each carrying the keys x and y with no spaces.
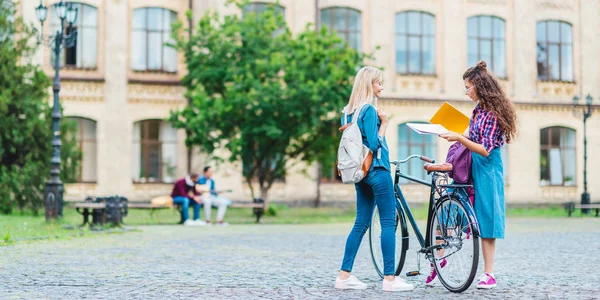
{"x":492,"y":98}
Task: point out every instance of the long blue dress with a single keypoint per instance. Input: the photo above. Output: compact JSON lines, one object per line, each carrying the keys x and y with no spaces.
{"x":488,"y":182}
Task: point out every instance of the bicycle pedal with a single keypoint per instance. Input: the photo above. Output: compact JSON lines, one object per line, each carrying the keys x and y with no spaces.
{"x":413,"y":273}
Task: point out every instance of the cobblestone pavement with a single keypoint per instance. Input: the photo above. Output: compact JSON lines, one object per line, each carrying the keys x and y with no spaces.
{"x":539,"y":259}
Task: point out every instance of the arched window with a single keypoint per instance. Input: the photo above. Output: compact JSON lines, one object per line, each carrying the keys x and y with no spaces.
{"x":410,"y":142}
{"x":260,"y":7}
{"x":84,"y":55}
{"x":151,"y":31}
{"x":346,"y":22}
{"x":557,"y":156}
{"x":154,"y":151}
{"x":486,"y":40}
{"x":86,"y":139}
{"x":554,"y":50}
{"x":415,"y":43}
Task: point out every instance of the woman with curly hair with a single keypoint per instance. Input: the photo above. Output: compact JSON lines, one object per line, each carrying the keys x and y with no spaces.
{"x":494,"y":123}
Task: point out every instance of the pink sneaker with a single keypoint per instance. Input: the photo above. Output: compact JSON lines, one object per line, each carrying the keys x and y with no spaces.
{"x":433,"y":273}
{"x":486,"y":281}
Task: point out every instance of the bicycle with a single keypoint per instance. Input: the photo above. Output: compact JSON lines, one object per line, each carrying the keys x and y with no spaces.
{"x":452,"y":238}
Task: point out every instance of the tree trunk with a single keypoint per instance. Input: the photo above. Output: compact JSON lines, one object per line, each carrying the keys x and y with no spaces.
{"x":318,"y":197}
{"x":264,"y":194}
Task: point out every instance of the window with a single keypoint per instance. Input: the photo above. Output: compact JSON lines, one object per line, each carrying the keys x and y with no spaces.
{"x":151,"y":30}
{"x":86,"y":139}
{"x":415,"y":43}
{"x":85,"y":52}
{"x":557,"y":156}
{"x":554,"y":51}
{"x":345,"y":22}
{"x":259,"y":8}
{"x":486,"y":41}
{"x":7,"y":20}
{"x":154,"y":152}
{"x":410,"y":142}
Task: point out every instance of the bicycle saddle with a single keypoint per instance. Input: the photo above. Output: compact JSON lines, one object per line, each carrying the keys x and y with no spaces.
{"x":445,"y":167}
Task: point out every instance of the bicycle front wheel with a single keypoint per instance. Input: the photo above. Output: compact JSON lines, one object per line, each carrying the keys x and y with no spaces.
{"x":375,"y":242}
{"x":457,"y":254}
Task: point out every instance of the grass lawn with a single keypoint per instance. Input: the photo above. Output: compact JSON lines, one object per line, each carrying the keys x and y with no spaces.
{"x":18,"y":227}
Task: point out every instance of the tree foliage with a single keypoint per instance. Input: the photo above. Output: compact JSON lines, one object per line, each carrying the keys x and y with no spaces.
{"x":269,"y":97}
{"x":25,"y":120}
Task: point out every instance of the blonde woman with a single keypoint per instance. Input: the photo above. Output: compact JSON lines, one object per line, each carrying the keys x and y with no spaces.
{"x":376,"y":188}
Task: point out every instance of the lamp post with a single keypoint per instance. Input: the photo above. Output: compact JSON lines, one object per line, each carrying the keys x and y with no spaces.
{"x":587,"y":112}
{"x":53,"y":197}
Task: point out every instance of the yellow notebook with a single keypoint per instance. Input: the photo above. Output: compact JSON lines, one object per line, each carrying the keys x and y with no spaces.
{"x":451,"y":118}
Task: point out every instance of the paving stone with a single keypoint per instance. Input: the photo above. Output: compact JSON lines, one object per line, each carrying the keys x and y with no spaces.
{"x":539,"y":259}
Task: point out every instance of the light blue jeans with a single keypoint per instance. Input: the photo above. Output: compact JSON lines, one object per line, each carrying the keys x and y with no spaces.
{"x":185,"y":206}
{"x":376,"y":188}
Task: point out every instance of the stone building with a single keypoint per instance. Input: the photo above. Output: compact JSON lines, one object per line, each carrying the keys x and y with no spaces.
{"x":119,"y":83}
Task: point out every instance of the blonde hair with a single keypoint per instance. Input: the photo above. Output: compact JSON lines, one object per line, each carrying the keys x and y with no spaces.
{"x":362,"y":92}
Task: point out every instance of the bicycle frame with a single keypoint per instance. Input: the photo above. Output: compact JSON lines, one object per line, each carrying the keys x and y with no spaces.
{"x":403,"y":208}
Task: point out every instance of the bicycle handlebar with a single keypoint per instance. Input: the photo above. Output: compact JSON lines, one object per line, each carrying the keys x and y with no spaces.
{"x":421,"y":157}
{"x":427,"y":159}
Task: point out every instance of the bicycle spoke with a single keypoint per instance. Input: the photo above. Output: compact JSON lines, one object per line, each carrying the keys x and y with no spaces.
{"x":460,"y":254}
{"x":375,"y":232}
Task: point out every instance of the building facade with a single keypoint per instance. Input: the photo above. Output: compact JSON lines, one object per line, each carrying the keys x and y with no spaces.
{"x":120,"y":82}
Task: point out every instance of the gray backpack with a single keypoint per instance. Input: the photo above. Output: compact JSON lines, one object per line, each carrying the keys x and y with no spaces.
{"x":353,"y":158}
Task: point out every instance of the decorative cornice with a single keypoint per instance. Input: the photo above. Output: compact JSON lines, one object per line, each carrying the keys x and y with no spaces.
{"x":556,"y":92}
{"x":83,"y":91}
{"x":155,"y":94}
{"x":556,"y":4}
{"x":521,"y":104}
{"x":417,"y":84}
{"x":488,"y":1}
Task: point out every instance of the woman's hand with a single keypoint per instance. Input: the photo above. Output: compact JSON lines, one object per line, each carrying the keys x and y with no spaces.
{"x":451,"y":136}
{"x":383,"y":116}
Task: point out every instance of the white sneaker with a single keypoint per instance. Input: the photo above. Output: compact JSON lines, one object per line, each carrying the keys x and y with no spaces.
{"x":397,"y":285}
{"x":352,"y":283}
{"x":224,"y":224}
{"x":190,"y":222}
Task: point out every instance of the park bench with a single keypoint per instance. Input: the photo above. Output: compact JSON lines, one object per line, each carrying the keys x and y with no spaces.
{"x":257,"y":205}
{"x":571,"y":207}
{"x":103,"y":210}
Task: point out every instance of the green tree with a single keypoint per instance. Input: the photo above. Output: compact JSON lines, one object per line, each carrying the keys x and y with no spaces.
{"x":25,"y":119}
{"x":269,"y":98}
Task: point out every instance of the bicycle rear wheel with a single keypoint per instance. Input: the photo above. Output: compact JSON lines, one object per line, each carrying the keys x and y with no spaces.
{"x":375,"y":242}
{"x":457,"y":257}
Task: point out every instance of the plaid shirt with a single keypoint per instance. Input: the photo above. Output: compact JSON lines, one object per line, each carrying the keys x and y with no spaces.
{"x":484,"y":129}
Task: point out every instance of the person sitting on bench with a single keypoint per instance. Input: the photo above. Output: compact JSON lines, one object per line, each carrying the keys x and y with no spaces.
{"x":211,"y":198}
{"x":184,"y":193}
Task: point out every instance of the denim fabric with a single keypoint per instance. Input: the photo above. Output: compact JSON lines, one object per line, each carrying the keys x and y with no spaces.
{"x":375,"y":189}
{"x":185,"y":206}
{"x":369,"y":124}
{"x":488,"y":181}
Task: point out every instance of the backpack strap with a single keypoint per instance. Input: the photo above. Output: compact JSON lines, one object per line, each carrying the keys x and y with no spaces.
{"x":357,"y":112}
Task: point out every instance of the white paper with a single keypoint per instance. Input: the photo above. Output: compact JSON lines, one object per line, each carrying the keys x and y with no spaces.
{"x":420,"y":128}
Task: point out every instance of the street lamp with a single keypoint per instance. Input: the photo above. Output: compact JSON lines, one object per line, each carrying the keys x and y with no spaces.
{"x":53,"y":197}
{"x":587,"y":112}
